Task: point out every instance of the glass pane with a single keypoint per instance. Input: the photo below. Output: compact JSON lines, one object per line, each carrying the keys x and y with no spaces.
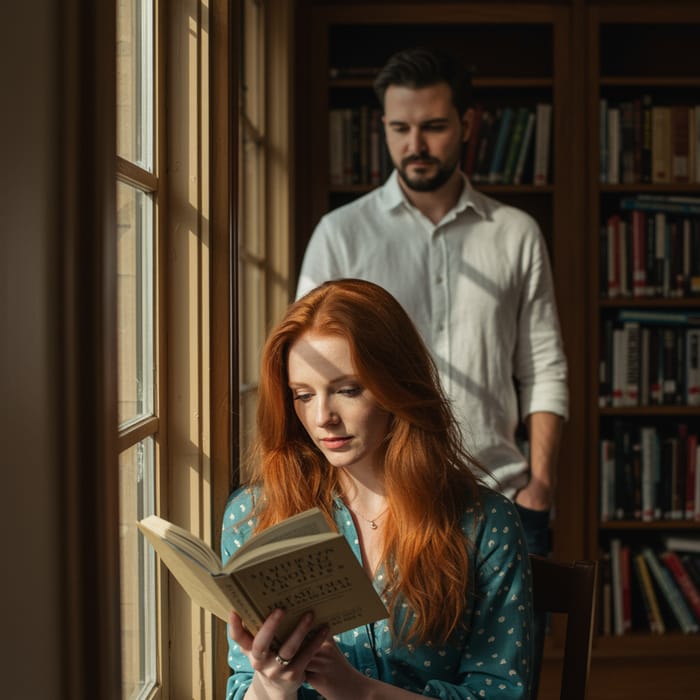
{"x":253,"y":266}
{"x":135,"y":81}
{"x":138,"y":590}
{"x":135,"y":294}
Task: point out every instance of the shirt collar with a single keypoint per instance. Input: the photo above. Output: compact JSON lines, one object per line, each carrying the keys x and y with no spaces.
{"x":392,"y":196}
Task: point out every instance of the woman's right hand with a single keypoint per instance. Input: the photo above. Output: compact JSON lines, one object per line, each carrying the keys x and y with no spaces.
{"x":278,"y":674}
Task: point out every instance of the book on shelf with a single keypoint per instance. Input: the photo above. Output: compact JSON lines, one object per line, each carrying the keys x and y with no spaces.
{"x":525,"y":149}
{"x":614,"y":145}
{"x":671,"y":204}
{"x":300,"y":564}
{"x":646,"y":148}
{"x":651,"y":602}
{"x":678,"y":543}
{"x":618,"y":621}
{"x":661,"y":144}
{"x":640,"y":141}
{"x":488,"y":132}
{"x":505,"y":127}
{"x":471,"y":149}
{"x":520,"y":119}
{"x":629,"y":139}
{"x":603,"y":140}
{"x":649,"y":473}
{"x":543,"y":128}
{"x":666,"y":583}
{"x":685,"y":584}
{"x":651,"y":248}
{"x":680,"y":143}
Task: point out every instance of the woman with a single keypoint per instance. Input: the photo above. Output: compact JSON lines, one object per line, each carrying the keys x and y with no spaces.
{"x":351,"y":418}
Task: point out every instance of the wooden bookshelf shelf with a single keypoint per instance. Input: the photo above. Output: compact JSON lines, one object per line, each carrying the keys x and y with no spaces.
{"x":660,"y":525}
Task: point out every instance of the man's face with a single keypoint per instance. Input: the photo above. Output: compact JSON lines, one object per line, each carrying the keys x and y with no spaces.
{"x":424,"y":134}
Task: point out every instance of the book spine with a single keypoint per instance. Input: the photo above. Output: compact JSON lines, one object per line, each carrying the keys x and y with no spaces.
{"x":614,"y":145}
{"x":646,"y":165}
{"x":499,"y":151}
{"x":632,"y":334}
{"x":685,"y":584}
{"x":656,"y":622}
{"x":470,"y":154}
{"x":691,"y":475}
{"x":607,"y":480}
{"x":614,"y":255}
{"x":661,"y":144}
{"x":671,"y":592}
{"x":680,"y":144}
{"x":625,"y":575}
{"x":525,"y":148}
{"x":647,"y":435}
{"x":639,"y":263}
{"x":618,"y":625}
{"x":516,"y":137}
{"x":542,"y":138}
{"x":603,"y":137}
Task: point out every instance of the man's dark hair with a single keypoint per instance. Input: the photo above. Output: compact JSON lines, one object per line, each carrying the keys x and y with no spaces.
{"x":419,"y":68}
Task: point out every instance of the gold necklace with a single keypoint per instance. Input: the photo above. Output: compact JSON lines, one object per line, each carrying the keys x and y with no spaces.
{"x":372,"y":521}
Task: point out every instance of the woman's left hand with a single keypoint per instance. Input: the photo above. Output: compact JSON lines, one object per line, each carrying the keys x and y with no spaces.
{"x":332,"y":675}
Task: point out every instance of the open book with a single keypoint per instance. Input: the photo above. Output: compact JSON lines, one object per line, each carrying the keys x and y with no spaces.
{"x":299,"y":564}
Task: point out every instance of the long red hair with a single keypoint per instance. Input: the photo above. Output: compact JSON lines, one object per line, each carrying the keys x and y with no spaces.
{"x":427,"y":473}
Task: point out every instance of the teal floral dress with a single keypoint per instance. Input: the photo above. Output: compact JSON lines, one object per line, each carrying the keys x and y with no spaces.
{"x":489,"y":658}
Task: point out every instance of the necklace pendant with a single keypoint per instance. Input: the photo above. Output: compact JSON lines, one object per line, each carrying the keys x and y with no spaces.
{"x":372,"y":524}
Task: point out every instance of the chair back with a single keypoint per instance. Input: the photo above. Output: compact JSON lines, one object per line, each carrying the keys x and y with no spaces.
{"x":569,"y":588}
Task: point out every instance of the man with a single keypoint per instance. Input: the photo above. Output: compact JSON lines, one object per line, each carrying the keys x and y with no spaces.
{"x":473,"y":274}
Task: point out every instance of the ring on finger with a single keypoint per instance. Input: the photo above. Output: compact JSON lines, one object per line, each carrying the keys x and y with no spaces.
{"x":281,"y":660}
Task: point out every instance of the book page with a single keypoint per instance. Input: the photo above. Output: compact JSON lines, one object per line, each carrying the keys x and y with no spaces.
{"x":191,"y":575}
{"x":308,"y":522}
{"x":191,"y":545}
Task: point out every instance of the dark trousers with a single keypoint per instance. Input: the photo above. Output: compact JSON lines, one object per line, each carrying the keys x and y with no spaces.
{"x":538,"y":538}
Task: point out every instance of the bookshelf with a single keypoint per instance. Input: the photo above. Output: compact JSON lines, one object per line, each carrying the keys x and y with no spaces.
{"x":626,"y":81}
{"x":568,"y":53}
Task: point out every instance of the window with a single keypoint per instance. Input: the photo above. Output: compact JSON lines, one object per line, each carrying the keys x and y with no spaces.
{"x":264,"y":210}
{"x":137,"y":317}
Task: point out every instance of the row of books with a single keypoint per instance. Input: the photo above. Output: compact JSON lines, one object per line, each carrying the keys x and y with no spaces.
{"x":649,"y":473}
{"x":645,"y":142}
{"x":649,"y":358}
{"x":648,"y":589}
{"x":509,"y":145}
{"x":651,"y":248}
{"x":357,"y":150}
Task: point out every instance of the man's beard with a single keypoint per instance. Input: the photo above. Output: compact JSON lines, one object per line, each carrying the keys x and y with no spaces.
{"x":443,"y":174}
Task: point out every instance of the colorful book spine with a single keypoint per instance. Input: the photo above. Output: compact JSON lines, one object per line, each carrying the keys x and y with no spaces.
{"x":651,"y":603}
{"x":673,"y":596}
{"x":685,"y":583}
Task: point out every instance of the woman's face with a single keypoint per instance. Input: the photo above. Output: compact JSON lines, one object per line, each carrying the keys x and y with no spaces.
{"x":339,"y":414}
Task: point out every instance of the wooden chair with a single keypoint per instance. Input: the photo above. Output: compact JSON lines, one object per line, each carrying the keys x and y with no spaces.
{"x":569,"y":588}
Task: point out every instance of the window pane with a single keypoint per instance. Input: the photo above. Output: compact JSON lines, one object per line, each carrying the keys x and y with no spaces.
{"x":138,"y":609}
{"x":135,"y":293}
{"x":135,"y":84}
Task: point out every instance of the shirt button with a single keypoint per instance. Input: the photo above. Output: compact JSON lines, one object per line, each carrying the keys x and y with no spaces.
{"x":368,"y":672}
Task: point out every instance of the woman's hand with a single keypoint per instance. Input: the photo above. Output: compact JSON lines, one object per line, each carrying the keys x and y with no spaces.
{"x":332,"y":675}
{"x":278,"y":673}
